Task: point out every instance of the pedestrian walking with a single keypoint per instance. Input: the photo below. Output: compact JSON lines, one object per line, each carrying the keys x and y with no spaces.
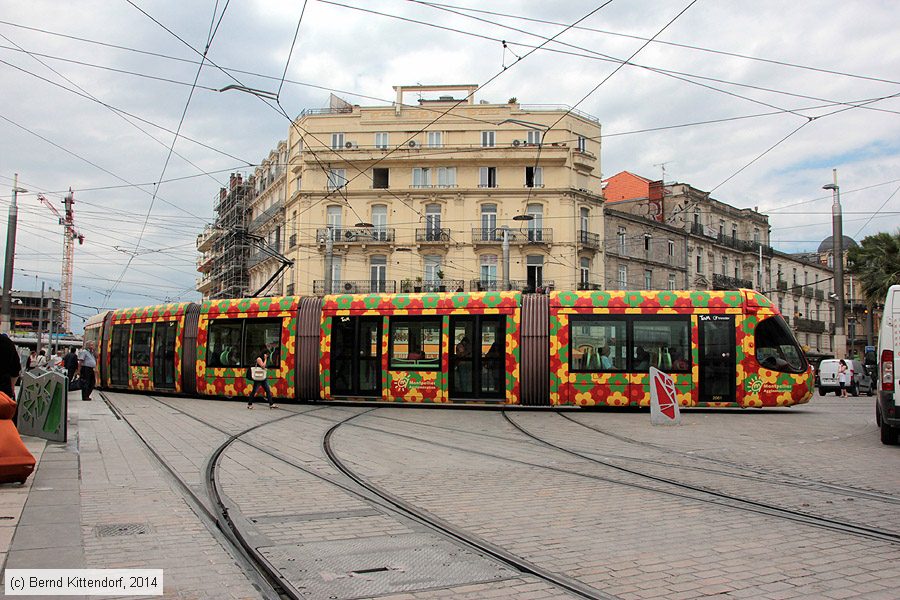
{"x":87,"y":362}
{"x":260,"y":376}
{"x":843,"y":373}
{"x":70,"y":362}
{"x":41,"y":360}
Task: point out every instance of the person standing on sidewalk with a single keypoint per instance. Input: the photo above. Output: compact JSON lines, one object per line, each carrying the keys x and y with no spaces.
{"x":263,"y":383}
{"x":87,"y":361}
{"x":842,"y":378}
{"x":10,"y":366}
{"x":70,"y":362}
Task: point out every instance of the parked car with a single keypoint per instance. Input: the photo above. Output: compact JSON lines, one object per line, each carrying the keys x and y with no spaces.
{"x":858,"y":380}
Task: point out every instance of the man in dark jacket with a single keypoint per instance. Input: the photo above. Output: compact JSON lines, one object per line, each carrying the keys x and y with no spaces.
{"x":70,"y":362}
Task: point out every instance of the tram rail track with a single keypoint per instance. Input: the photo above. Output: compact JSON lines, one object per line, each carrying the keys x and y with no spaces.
{"x":362,"y":488}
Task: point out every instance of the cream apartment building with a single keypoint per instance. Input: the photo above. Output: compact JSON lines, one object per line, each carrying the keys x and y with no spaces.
{"x":266,"y":225}
{"x":420,"y":195}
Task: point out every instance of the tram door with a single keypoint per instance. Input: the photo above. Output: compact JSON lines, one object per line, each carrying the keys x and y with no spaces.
{"x":118,"y":357}
{"x":164,"y":355}
{"x":477,"y":357}
{"x":717,"y":358}
{"x":356,"y":356}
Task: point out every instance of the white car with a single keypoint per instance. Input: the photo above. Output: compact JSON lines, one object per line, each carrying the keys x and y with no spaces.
{"x":858,"y":380}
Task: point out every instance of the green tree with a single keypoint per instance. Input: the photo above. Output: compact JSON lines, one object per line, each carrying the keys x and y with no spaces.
{"x":876,"y":265}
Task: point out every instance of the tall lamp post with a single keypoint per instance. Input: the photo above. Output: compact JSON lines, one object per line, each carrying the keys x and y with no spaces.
{"x":5,"y":302}
{"x":840,"y":340}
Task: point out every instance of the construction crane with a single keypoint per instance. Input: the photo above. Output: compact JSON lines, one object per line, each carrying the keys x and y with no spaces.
{"x":68,"y":264}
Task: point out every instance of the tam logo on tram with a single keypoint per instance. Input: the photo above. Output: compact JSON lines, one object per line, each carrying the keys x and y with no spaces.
{"x":722,"y":348}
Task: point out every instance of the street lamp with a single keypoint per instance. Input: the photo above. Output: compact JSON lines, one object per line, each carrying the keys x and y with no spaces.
{"x":5,"y":309}
{"x":840,"y":341}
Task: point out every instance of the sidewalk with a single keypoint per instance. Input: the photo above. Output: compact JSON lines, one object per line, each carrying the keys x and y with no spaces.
{"x":102,"y":501}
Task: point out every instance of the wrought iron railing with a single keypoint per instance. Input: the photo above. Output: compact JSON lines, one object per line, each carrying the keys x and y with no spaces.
{"x":809,"y":325}
{"x":433,"y":235}
{"x":588,"y":239}
{"x":781,"y":285}
{"x":588,"y":286}
{"x":409,"y":286}
{"x":820,"y":294}
{"x":357,"y":235}
{"x":724,"y":282}
{"x":356,"y":286}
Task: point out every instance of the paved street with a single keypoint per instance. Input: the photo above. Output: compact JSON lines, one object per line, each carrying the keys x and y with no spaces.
{"x":786,"y":503}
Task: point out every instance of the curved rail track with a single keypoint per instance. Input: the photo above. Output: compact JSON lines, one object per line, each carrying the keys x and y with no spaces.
{"x":272,"y":582}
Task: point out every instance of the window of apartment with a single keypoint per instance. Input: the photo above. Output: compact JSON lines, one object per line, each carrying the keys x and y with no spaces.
{"x":337,"y":178}
{"x":724,"y":265}
{"x":536,"y":224}
{"x":647,"y":237}
{"x":648,"y":279}
{"x":432,"y":266}
{"x":699,"y":262}
{"x":488,"y":272}
{"x":623,"y":277}
{"x":756,"y":234}
{"x":620,"y":234}
{"x":582,"y":144}
{"x":378,"y":273}
{"x":585,"y":219}
{"x":382,"y":140}
{"x":433,"y":222}
{"x":534,"y":177}
{"x":380,"y":179}
{"x":534,"y":136}
{"x":584,"y":269}
{"x":794,"y":281}
{"x":487,"y":177}
{"x":671,"y":245}
{"x":488,"y":139}
{"x":489,"y":222}
{"x":734,"y":231}
{"x":337,"y":141}
{"x":721,"y":228}
{"x":379,"y":221}
{"x":671,"y":281}
{"x":435,"y":139}
{"x":446,"y":177}
{"x":696,"y":215}
{"x":737,"y":270}
{"x":534,"y":269}
{"x":421,"y":177}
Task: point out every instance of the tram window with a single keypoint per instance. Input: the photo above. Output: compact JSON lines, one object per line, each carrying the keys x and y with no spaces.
{"x":598,"y":344}
{"x":140,"y":345}
{"x":776,"y":348}
{"x":261,"y":334}
{"x":224,"y":346}
{"x":415,"y":345}
{"x":664,"y":344}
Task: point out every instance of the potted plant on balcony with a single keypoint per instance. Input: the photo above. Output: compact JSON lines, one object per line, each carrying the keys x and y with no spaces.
{"x":441,"y":286}
{"x":418,"y":287}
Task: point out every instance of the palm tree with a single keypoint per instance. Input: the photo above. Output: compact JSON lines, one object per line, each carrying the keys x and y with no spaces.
{"x":876,"y":264}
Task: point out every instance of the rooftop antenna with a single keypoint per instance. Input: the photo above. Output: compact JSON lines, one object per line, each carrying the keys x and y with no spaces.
{"x":663,"y":166}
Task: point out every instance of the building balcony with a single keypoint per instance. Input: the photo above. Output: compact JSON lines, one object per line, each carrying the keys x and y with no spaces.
{"x":207,"y":237}
{"x":496,"y":285}
{"x":724,"y":282}
{"x":809,"y":325}
{"x":205,"y":284}
{"x":357,"y":235}
{"x":820,"y":294}
{"x":356,"y":286}
{"x":433,"y":235}
{"x":808,"y":291}
{"x":781,"y":285}
{"x":588,"y":286}
{"x":588,"y":239}
{"x":409,"y":286}
{"x":494,"y":235}
{"x":797,"y":290}
{"x":205,"y":263}
{"x":266,"y":216}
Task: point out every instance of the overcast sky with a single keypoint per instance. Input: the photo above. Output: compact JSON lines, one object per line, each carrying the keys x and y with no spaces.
{"x":93,"y":91}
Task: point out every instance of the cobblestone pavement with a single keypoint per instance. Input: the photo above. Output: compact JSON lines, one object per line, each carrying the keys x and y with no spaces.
{"x":623,"y":535}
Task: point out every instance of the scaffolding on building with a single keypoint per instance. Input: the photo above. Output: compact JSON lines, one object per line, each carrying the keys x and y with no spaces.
{"x":231,"y":249}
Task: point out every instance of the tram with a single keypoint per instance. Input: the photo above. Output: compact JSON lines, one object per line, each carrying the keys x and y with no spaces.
{"x":593,"y":348}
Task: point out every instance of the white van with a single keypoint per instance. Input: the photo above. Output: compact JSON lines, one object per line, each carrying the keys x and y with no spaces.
{"x":887,"y":413}
{"x":858,"y":381}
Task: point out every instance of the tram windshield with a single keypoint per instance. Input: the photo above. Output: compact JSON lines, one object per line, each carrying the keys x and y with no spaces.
{"x":776,"y":348}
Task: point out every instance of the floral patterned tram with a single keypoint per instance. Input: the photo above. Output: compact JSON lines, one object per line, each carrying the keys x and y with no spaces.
{"x":723,"y":348}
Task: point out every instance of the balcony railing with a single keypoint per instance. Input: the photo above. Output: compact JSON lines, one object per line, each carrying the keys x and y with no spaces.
{"x":494,"y":235}
{"x":266,"y":216}
{"x":588,"y":286}
{"x":797,"y":290}
{"x":781,"y":285}
{"x":357,"y":235}
{"x":820,"y":294}
{"x":408,"y":286}
{"x":808,"y":291}
{"x":588,"y":239}
{"x":809,"y":325}
{"x":496,"y":285}
{"x":724,"y":282}
{"x":435,"y":235}
{"x":356,"y":286}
